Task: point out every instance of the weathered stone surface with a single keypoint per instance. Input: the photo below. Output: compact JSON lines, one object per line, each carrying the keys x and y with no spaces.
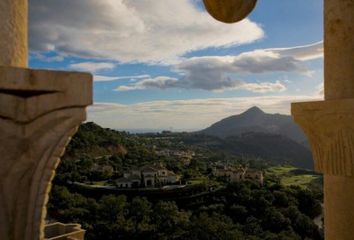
{"x":13,"y":33}
{"x":229,"y":11}
{"x":339,"y":49}
{"x":26,"y":94}
{"x":338,"y":203}
{"x":39,"y":112}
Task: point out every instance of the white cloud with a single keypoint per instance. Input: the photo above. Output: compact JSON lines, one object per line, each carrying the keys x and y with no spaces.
{"x":92,"y":67}
{"x":161,"y":82}
{"x":303,"y":53}
{"x":164,"y":82}
{"x":264,"y":87}
{"x":104,"y":107}
{"x":200,"y":113}
{"x":131,"y":31}
{"x":101,"y":78}
{"x":216,"y":73}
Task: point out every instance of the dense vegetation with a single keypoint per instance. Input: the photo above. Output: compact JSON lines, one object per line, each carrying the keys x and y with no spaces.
{"x":240,"y":211}
{"x":232,"y":211}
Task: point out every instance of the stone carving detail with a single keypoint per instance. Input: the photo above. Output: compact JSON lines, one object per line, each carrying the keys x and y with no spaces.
{"x":329,"y":125}
{"x":335,"y":156}
{"x":37,"y":120}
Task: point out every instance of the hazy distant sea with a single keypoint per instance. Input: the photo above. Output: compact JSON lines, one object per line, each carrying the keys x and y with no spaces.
{"x":149,"y":130}
{"x":143,"y":130}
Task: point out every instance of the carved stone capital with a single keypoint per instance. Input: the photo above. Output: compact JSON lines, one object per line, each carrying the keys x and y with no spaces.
{"x":329,"y":126}
{"x":39,"y":112}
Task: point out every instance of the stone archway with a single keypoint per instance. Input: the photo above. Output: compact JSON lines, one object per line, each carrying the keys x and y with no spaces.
{"x":39,"y":113}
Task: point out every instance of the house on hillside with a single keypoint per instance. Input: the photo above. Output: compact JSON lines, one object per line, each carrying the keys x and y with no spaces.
{"x":164,"y":176}
{"x":254,"y":175}
{"x":132,"y":172}
{"x":232,"y":174}
{"x":129,"y":182}
{"x":147,"y":176}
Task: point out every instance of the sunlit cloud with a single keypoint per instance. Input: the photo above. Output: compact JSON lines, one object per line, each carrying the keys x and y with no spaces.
{"x":92,"y":67}
{"x":131,"y":31}
{"x":303,"y":53}
{"x":101,"y":78}
{"x":216,"y":73}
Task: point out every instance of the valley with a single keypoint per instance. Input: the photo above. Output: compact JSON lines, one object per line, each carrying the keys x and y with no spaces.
{"x":253,"y":185}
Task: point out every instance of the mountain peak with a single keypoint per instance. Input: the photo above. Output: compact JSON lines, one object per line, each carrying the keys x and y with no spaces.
{"x":255,"y":120}
{"x":254,"y":111}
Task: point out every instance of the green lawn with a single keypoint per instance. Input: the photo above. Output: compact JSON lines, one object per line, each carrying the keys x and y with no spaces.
{"x":281,"y":170}
{"x":100,"y":183}
{"x":291,"y":176}
{"x":299,"y":180}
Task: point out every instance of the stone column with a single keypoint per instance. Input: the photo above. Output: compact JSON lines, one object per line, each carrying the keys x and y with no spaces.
{"x":13,"y":33}
{"x":339,"y":49}
{"x":39,"y":112}
{"x":329,"y":124}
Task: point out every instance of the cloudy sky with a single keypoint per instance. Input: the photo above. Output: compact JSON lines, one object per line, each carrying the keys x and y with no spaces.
{"x":166,"y":64}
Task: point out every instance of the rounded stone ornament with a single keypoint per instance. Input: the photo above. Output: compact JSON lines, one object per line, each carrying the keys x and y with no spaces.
{"x":229,"y":11}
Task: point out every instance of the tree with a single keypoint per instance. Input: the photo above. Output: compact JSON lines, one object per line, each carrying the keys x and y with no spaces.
{"x":280,"y":199}
{"x":215,"y":226}
{"x":170,"y":222}
{"x":252,"y":226}
{"x":275,"y":221}
{"x":140,"y":214}
{"x":308,"y":204}
{"x":112,"y":208}
{"x":238,"y":213}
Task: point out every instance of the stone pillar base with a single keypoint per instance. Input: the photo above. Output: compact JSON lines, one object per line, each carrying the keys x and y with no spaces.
{"x":339,"y":207}
{"x":39,"y":112}
{"x":329,"y":125}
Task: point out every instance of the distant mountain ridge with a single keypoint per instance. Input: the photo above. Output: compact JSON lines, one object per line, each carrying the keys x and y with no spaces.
{"x":275,"y":137}
{"x":271,"y":147}
{"x":255,"y":120}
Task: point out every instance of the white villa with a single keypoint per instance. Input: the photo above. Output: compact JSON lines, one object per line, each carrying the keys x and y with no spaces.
{"x":147,"y":176}
{"x":238,"y":174}
{"x":254,"y":175}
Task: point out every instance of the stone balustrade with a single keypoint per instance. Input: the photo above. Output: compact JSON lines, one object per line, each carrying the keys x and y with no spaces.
{"x":60,"y":231}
